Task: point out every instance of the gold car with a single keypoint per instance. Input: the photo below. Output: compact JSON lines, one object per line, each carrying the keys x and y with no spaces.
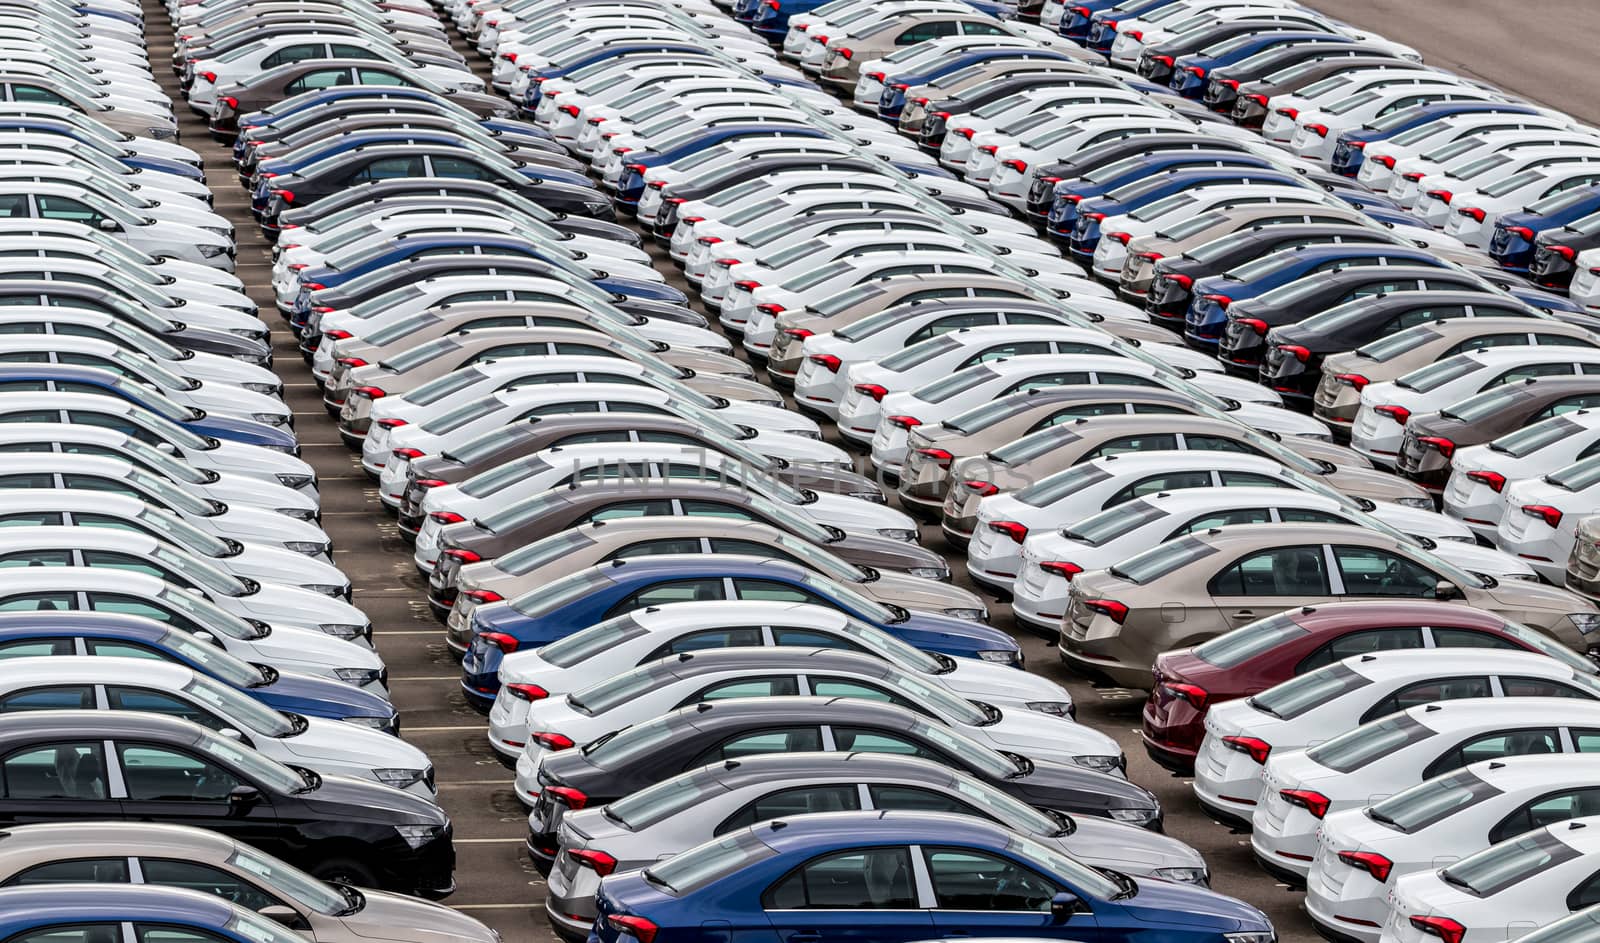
{"x":1195,"y":588}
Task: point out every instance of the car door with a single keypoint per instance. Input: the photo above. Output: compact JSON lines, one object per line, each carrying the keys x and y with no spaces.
{"x":1271,"y":580}
{"x":979,"y":893}
{"x":174,"y":786}
{"x":860,"y":895}
{"x":1556,"y":806}
{"x":795,"y":800}
{"x":1517,"y":741}
{"x":1378,"y":573}
{"x":57,"y":781}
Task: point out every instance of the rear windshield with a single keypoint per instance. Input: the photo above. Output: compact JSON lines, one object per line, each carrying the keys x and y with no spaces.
{"x":552,"y":596}
{"x":698,"y":867}
{"x":1579,"y":476}
{"x":1243,"y":644}
{"x":1431,"y":802}
{"x":461,"y":416}
{"x":1159,"y":561}
{"x":1114,"y":523}
{"x":1387,"y":348}
{"x":1298,"y":695}
{"x":918,"y":354}
{"x":1434,"y":375}
{"x":526,"y":559}
{"x":1030,"y":447}
{"x":955,"y":384}
{"x":448,"y":385}
{"x":581,"y":646}
{"x":1053,"y":488}
{"x":1356,"y":748}
{"x":1508,"y":864}
{"x":661,"y":801}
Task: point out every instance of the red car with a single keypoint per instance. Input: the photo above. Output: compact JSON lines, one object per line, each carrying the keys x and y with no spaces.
{"x":1269,"y":651}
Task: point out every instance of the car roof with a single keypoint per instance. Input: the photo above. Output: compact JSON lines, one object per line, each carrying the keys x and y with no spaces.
{"x":1582,"y":835}
{"x":881,"y":826}
{"x":775,"y":657}
{"x":1025,"y":363}
{"x":1338,"y":616}
{"x":56,"y":535}
{"x":116,"y":838}
{"x":630,"y":528}
{"x":1272,"y":535}
{"x":96,"y":669}
{"x":55,"y":371}
{"x":1136,"y":462}
{"x":1200,"y":499}
{"x":767,"y":767}
{"x":1537,"y":770}
{"x":1471,"y":712}
{"x":684,"y":615}
{"x":1425,"y":662}
{"x":684,"y":564}
{"x":81,"y":578}
{"x":790,"y":709}
{"x":1498,"y":355}
{"x":21,"y":907}
{"x":74,"y":622}
{"x":46,"y":725}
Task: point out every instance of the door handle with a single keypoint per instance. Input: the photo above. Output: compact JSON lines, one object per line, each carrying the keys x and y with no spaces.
{"x":805,"y":936}
{"x":1244,"y":614}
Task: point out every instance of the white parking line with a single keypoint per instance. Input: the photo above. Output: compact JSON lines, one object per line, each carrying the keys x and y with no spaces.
{"x":430,"y":678}
{"x":478,"y":727}
{"x":490,"y":841}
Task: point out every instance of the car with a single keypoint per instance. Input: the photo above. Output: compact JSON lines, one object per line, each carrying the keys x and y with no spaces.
{"x":1473,"y":214}
{"x":680,"y":813}
{"x":1404,"y":153}
{"x":662,"y":686}
{"x":146,"y":685}
{"x":1515,"y":244}
{"x":1545,"y":874}
{"x":545,"y":561}
{"x":1301,"y":787}
{"x":214,"y":69}
{"x":148,"y":855}
{"x":1235,"y":566}
{"x":1476,"y":491}
{"x":46,"y":912}
{"x":1363,"y":853}
{"x":217,"y":656}
{"x":1535,"y":526}
{"x":600,"y":592}
{"x":982,"y":877}
{"x":1311,"y":707}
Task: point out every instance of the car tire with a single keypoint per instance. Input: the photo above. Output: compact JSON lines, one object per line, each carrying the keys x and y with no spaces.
{"x":345,"y":871}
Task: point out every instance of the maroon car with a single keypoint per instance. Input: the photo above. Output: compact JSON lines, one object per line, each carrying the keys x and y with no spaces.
{"x":1269,"y":651}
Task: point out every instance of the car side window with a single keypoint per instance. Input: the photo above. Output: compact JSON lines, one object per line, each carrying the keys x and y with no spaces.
{"x":1310,"y":516}
{"x":159,"y":774}
{"x":388,"y":168}
{"x":1492,"y":746}
{"x":56,"y":771}
{"x":1217,"y":443}
{"x":68,"y":209}
{"x":1373,"y":289}
{"x":1084,"y":411}
{"x":206,"y":879}
{"x":802,"y":800}
{"x":857,"y":740}
{"x":1152,"y":484}
{"x":661,"y":594}
{"x":292,"y":54}
{"x":739,"y":637}
{"x":1530,"y":371}
{"x":380,"y":77}
{"x":954,"y":322}
{"x":865,"y":879}
{"x":160,"y":933}
{"x":35,"y":647}
{"x":623,"y":510}
{"x":35,"y":480}
{"x":969,"y":880}
{"x":849,"y":687}
{"x":771,"y":740}
{"x":1547,"y":810}
{"x":1161,"y":441}
{"x":1006,"y":351}
{"x":1470,"y":638}
{"x":79,"y":871}
{"x":1223,"y":519}
{"x":40,"y":602}
{"x":1569,"y":404}
{"x":33,"y":93}
{"x":66,"y":697}
{"x":127,"y":561}
{"x":160,"y":702}
{"x":1426,"y":692}
{"x":1539,"y":687}
{"x":1421,"y":316}
{"x":771,"y":591}
{"x":1370,"y":571}
{"x":460,"y":168}
{"x":72,"y":933}
{"x":774,"y":686}
{"x":1281,"y":571}
{"x":320,"y":79}
{"x":116,"y":649}
{"x":591,"y":438}
{"x":32,"y":415}
{"x":31,"y":519}
{"x":1046,"y":380}
{"x":911,"y":798}
{"x":346,"y":51}
{"x":36,"y":558}
{"x":1545,"y":340}
{"x":654,"y":547}
{"x":923,"y":32}
{"x":1487,"y":340}
{"x":1361,"y":643}
{"x":718,"y":509}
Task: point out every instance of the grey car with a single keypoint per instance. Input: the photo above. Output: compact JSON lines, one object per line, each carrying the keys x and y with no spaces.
{"x":193,"y":858}
{"x":696,"y":806}
{"x":1026,"y":460}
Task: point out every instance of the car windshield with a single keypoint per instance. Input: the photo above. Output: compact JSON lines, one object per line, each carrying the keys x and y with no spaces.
{"x":1090,"y":881}
{"x":245,"y":925}
{"x":164,"y":491}
{"x":792,"y":254}
{"x":1434,"y":375}
{"x":1508,"y":864}
{"x":207,"y":615}
{"x":1480,"y":166}
{"x":705,"y":864}
{"x":886,"y":646}
{"x":1221,"y":247}
{"x":462,"y":415}
{"x":1356,"y":748}
{"x":1432,"y":802}
{"x":258,"y":769}
{"x":1544,"y":644}
{"x":289,"y":881}
{"x":530,"y":557}
{"x":622,"y":689}
{"x":1053,"y":488}
{"x":1581,"y":927}
{"x":201,"y":572}
{"x":962,"y":747}
{"x":928,"y":697}
{"x":583,"y":645}
{"x":738,"y":192}
{"x":653,"y":804}
{"x":141,"y":453}
{"x":846,"y":596}
{"x":212,"y":660}
{"x":522,"y":512}
{"x":1419,"y":133}
{"x":919,"y":353}
{"x":1159,"y":561}
{"x":755,"y":211}
{"x":955,"y":384}
{"x":1294,"y":697}
{"x":1002,"y":807}
{"x":553,"y":595}
{"x":248,"y":712}
{"x":1587,"y":226}
{"x":183,"y":534}
{"x":1244,"y":643}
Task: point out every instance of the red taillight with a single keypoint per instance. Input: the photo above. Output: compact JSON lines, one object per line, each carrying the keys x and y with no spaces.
{"x":777,"y":309}
{"x":408,"y":453}
{"x":845,"y":52}
{"x":431,"y":483}
{"x":1257,"y":748}
{"x":1221,"y":301}
{"x":1386,"y":161}
{"x":1413,"y":176}
{"x":481,"y":596}
{"x":1443,"y":196}
{"x":1094,"y":217}
{"x":1258,"y":99}
{"x":337,"y":334}
{"x":1521,"y":231}
{"x":1230,"y":83}
{"x":1356,"y":145}
{"x":1355,"y":381}
{"x":798,"y":333}
{"x":989,"y":148}
{"x":1566,"y":252}
{"x":527,"y":692}
{"x":1494,"y":480}
{"x":1312,"y":801}
{"x":1473,"y":213}
{"x":506,"y":643}
{"x":230,"y":101}
{"x":1290,"y":113}
{"x":447,"y":517}
{"x":465,"y":556}
{"x":1121,"y":237}
{"x":1193,"y":693}
{"x":392,"y":423}
{"x":1450,"y":931}
{"x":1061,"y":568}
{"x":1398,"y":413}
{"x":1182,"y":281}
{"x":1320,"y":130}
{"x":1135,"y":34}
{"x":905,"y":422}
{"x":873,"y":390}
{"x":350,"y":362}
{"x":942,"y":457}
{"x":747,"y":284}
{"x":1167,"y":61}
{"x":1438,"y":443}
{"x":1369,"y":861}
{"x":1150,"y":256}
{"x":569,"y":110}
{"x":1299,"y":353}
{"x":1196,"y":71}
{"x":637,"y":168}
{"x":827,"y":361}
{"x":1020,"y":166}
{"x":982,"y":488}
{"x":639,"y":928}
{"x":1550,"y":515}
{"x":876,"y":76}
{"x":370,"y":392}
{"x":1108,"y":607}
{"x":1017,"y":532}
{"x":597,"y":861}
{"x":556,"y":741}
{"x":964,"y":132}
{"x":1255,"y":324}
{"x":288,"y":198}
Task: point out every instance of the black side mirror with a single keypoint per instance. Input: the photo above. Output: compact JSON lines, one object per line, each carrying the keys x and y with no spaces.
{"x":242,"y":799}
{"x":285,"y":915}
{"x":1064,"y":905}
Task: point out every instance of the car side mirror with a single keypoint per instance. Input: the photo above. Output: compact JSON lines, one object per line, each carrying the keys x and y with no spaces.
{"x":168,"y":448}
{"x":208,"y":638}
{"x":230,"y":734}
{"x":242,"y":799}
{"x":285,"y":915}
{"x":1064,"y":905}
{"x":1444,"y":589}
{"x":109,"y":225}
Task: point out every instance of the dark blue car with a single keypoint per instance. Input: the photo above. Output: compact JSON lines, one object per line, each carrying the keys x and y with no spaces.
{"x":1084,"y":230}
{"x":893,"y":99}
{"x":1511,"y":245}
{"x":600,"y":592}
{"x":97,"y":913}
{"x":770,"y":18}
{"x":1070,"y":192}
{"x":630,"y":186}
{"x":52,"y":632}
{"x":895,"y":877}
{"x":1078,"y":17}
{"x":1189,"y":72}
{"x":1101,"y":30}
{"x":43,"y":377}
{"x":1208,"y":309}
{"x":1349,"y":150}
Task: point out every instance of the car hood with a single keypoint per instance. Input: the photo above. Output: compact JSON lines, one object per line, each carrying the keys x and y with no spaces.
{"x":986,"y":681}
{"x":1487,"y":560}
{"x":1127,"y":848}
{"x":293,"y":691}
{"x":277,"y":565}
{"x":1165,"y":902}
{"x":913,"y":592}
{"x":291,"y":605}
{"x":357,"y":800}
{"x":395,"y":918}
{"x":1525,"y":595}
{"x":1373,"y":484}
{"x":1076,"y":790}
{"x":1269,"y":418}
{"x":264,"y":526}
{"x":234,"y":488}
{"x":856,"y":514}
{"x":291,"y":644}
{"x":341,"y":742}
{"x":1034,"y":734}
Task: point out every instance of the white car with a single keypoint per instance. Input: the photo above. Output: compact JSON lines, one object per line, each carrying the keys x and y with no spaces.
{"x":126,"y":592}
{"x":1314,"y":707}
{"x":1585,"y":286}
{"x":662,"y":686}
{"x":150,"y":336}
{"x":1283,"y":115}
{"x":624,"y":642}
{"x":1541,"y":516}
{"x":1386,"y":407}
{"x":1479,"y":474}
{"x":1431,"y":203}
{"x":1363,"y":853}
{"x":330,"y":747}
{"x":1022,"y":112}
{"x":49,"y":238}
{"x":1442,"y":166}
{"x":1386,"y":160}
{"x":190,"y":237}
{"x":1502,"y":892}
{"x":1379,"y":759}
{"x":1475,"y":212}
{"x":1317,"y":130}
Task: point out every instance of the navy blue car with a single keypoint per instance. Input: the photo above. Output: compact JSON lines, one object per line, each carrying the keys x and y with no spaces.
{"x":1189,"y":72}
{"x":1349,"y":150}
{"x":895,"y":877}
{"x":1068,"y":193}
{"x":1102,"y":30}
{"x":43,"y":911}
{"x":630,"y":186}
{"x":893,"y":99}
{"x":601,"y":592}
{"x":770,"y":18}
{"x":1083,"y":230}
{"x":1078,"y":17}
{"x":43,"y":377}
{"x":52,"y":632}
{"x":1512,"y":243}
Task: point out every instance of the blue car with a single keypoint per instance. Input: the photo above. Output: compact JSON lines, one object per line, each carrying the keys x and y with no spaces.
{"x":52,"y":632}
{"x":1083,"y":230}
{"x":1067,"y":194}
{"x":1078,"y":17}
{"x":1512,"y":244}
{"x":600,"y":592}
{"x":1210,"y":297}
{"x":97,"y":912}
{"x":893,"y":99}
{"x":894,"y":877}
{"x":630,"y":186}
{"x":1101,"y":32}
{"x":1189,"y":72}
{"x":41,"y":377}
{"x":769,"y":19}
{"x":1349,"y":150}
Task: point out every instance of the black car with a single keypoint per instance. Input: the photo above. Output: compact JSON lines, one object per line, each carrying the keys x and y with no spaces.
{"x":1041,"y":190}
{"x":450,"y":189}
{"x":1222,"y":85}
{"x":936,"y":120}
{"x":1432,"y":438}
{"x":1294,"y":352}
{"x":1555,"y":251}
{"x":718,"y":731}
{"x":1168,"y":299}
{"x":383,"y":161}
{"x":1244,"y":339}
{"x":78,"y":765}
{"x":1250,"y":101}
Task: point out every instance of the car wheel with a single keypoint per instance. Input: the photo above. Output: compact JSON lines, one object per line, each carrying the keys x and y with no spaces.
{"x":345,"y":871}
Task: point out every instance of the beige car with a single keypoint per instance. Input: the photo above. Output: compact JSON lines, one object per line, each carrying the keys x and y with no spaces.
{"x":918,"y":97}
{"x":197,"y":859}
{"x":843,"y":55}
{"x":1195,"y":588}
{"x":1024,"y":461}
{"x":1583,"y":565}
{"x":590,"y":544}
{"x":1338,"y":397}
